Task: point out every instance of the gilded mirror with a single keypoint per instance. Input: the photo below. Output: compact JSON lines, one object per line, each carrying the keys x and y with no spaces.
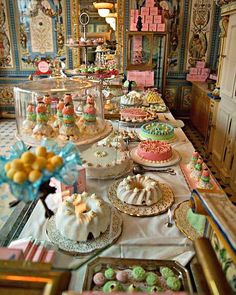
{"x":99,"y":28}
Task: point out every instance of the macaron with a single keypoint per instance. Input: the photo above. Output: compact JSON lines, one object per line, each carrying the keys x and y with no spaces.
{"x":99,"y":279}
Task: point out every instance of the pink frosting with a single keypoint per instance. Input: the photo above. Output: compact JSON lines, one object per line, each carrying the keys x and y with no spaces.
{"x":154,"y":150}
{"x":30,"y":108}
{"x":132,"y":113}
{"x":90,"y":110}
{"x":99,"y":279}
{"x":205,"y":173}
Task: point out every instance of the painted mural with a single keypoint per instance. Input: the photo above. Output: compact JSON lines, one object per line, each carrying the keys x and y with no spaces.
{"x":6,"y":60}
{"x":200,"y":31}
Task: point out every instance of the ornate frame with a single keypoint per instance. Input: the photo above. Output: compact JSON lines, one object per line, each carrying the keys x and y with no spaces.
{"x":75,"y":9}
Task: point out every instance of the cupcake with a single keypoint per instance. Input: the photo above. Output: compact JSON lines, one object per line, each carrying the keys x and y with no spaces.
{"x":204,"y":181}
{"x":99,"y":279}
{"x":196,"y":173}
{"x":173,"y":283}
{"x":110,"y":273}
{"x":193,"y":161}
{"x":166,"y":272}
{"x":138,"y":273}
{"x":112,"y":286}
{"x":122,"y":276}
{"x":151,"y":278}
{"x":133,"y":289}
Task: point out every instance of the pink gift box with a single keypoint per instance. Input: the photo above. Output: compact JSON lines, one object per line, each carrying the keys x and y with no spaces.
{"x":78,"y":187}
{"x":152,"y":27}
{"x":22,"y":244}
{"x":132,"y":20}
{"x":200,"y":64}
{"x":153,"y":11}
{"x":149,"y":19}
{"x":145,"y":11}
{"x":161,"y":27}
{"x":150,"y":3}
{"x":193,"y":71}
{"x":11,"y":254}
{"x":149,"y":78}
{"x":145,"y":27}
{"x":157,"y":19}
{"x":199,"y":71}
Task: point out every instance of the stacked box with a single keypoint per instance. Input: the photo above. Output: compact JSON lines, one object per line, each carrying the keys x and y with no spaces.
{"x":142,"y":78}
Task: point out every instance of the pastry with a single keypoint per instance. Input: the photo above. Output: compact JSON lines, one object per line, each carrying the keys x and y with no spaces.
{"x":132,"y":289}
{"x":131,"y":99}
{"x":139,"y":190}
{"x":173,"y":283}
{"x":152,"y":97}
{"x":42,"y":128}
{"x":138,"y":273}
{"x":122,"y":276}
{"x":136,"y":115}
{"x":166,"y":272}
{"x":30,"y":121}
{"x":197,"y":171}
{"x":69,"y":129}
{"x":151,"y":278}
{"x":154,"y":289}
{"x":82,"y":216}
{"x":110,"y":274}
{"x":112,"y":286}
{"x":193,"y":161}
{"x":204,"y":181}
{"x":99,"y":279}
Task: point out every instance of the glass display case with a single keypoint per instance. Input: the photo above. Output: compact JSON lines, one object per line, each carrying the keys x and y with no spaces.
{"x":61,"y":109}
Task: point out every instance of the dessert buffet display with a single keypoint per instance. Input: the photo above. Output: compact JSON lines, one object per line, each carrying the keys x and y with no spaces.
{"x":102,"y":161}
{"x":140,"y":196}
{"x":197,"y":174}
{"x":192,"y":225}
{"x":46,"y":109}
{"x":84,"y":223}
{"x":155,"y":153}
{"x":136,"y":275}
{"x":133,"y":98}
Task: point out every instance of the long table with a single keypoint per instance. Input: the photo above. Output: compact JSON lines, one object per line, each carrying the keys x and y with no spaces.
{"x":146,"y":237}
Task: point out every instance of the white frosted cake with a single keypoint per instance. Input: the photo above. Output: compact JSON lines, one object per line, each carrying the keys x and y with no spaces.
{"x":104,"y":161}
{"x":139,"y":190}
{"x":82,"y":216}
{"x":131,"y":99}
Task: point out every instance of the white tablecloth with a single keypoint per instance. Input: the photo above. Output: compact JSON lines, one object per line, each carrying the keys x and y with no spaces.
{"x":141,"y":237}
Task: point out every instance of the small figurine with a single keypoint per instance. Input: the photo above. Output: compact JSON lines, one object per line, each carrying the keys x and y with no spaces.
{"x":68,"y":99}
{"x":59,"y":121}
{"x":42,"y":128}
{"x":69,"y":129}
{"x":193,"y":161}
{"x":48,"y":100}
{"x":30,"y":121}
{"x":196,"y":173}
{"x":89,"y":115}
{"x":204,"y":181}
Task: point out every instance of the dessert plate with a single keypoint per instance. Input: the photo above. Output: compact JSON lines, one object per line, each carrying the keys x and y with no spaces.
{"x":74,"y":248}
{"x":180,"y":218}
{"x":127,"y":170}
{"x":174,"y":160}
{"x":142,"y":211}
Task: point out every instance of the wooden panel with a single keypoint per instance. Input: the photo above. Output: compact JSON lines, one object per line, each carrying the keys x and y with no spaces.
{"x":200,"y":109}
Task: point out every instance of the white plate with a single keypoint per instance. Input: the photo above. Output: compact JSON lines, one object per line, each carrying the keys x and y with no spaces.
{"x":174,"y":160}
{"x":73,"y":247}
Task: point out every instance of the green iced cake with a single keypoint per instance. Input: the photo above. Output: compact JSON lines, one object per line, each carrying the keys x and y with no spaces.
{"x":157,"y":131}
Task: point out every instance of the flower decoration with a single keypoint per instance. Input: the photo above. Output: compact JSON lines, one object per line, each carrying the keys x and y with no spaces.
{"x":67,"y":173}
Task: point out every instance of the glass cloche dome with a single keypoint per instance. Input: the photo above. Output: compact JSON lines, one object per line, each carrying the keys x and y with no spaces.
{"x":63,"y":109}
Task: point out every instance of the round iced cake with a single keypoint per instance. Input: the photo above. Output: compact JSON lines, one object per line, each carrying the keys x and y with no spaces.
{"x":157,"y":131}
{"x":154,"y":151}
{"x":139,"y":190}
{"x":82,"y":216}
{"x":104,"y":161}
{"x":136,"y":115}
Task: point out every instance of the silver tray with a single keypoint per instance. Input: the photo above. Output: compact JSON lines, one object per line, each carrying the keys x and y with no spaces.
{"x":74,"y":248}
{"x":102,"y":263}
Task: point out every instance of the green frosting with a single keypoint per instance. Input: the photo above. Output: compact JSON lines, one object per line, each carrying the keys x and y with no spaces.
{"x":151,"y":278}
{"x":132,"y":288}
{"x":88,"y":117}
{"x":157,"y":131}
{"x":166,"y":272}
{"x":197,"y":221}
{"x":31,"y":117}
{"x":112,"y":286}
{"x":42,"y":117}
{"x":154,"y":289}
{"x":110,"y":273}
{"x":138,"y":273}
{"x":173,"y":283}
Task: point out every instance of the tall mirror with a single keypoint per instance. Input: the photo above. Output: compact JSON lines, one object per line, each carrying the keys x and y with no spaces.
{"x":105,"y":24}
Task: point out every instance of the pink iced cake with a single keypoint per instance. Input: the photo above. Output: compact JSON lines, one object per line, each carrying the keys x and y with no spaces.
{"x":136,"y":115}
{"x":154,"y":151}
